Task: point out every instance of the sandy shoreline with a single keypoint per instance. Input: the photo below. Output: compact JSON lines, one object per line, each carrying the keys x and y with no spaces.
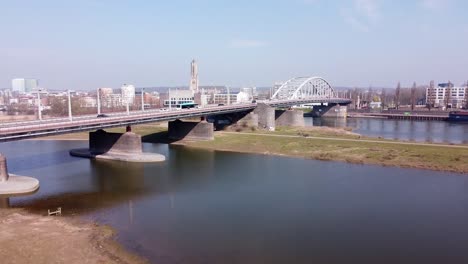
{"x":30,"y":238}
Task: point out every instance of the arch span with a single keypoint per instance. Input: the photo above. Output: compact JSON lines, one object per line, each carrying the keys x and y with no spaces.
{"x":305,"y":88}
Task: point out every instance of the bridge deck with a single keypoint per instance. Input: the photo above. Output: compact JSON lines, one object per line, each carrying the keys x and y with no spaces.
{"x":56,"y":126}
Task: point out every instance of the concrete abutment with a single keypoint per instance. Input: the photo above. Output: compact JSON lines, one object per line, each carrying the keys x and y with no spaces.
{"x":11,"y":184}
{"x":266,"y":116}
{"x":116,"y":146}
{"x":292,"y":118}
{"x":190,"y":130}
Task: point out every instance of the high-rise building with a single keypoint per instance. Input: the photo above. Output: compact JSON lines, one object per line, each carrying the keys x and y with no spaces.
{"x":23,"y":85}
{"x":18,"y":85}
{"x":446,"y":95}
{"x":194,"y":77}
{"x":30,"y":84}
{"x":128,"y":93}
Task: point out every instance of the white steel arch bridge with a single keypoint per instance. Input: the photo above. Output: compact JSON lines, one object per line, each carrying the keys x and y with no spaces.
{"x":310,"y":87}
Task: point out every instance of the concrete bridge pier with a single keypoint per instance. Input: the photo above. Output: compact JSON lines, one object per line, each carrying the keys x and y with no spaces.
{"x":292,"y":118}
{"x":319,"y":110}
{"x":116,"y":146}
{"x":266,"y":116}
{"x":190,"y":130}
{"x":337,"y":111}
{"x":13,"y":184}
{"x":249,"y":120}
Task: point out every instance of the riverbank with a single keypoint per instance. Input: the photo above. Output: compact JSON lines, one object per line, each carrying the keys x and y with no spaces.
{"x":321,"y":143}
{"x":32,"y":238}
{"x":342,"y":146}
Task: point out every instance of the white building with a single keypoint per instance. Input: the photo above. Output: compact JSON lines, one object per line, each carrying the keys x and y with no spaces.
{"x":446,"y":94}
{"x":243,"y":97}
{"x":178,"y":97}
{"x":23,"y":85}
{"x":225,"y":99}
{"x":284,"y":93}
{"x":128,"y":93}
{"x":88,"y":101}
{"x":105,"y":91}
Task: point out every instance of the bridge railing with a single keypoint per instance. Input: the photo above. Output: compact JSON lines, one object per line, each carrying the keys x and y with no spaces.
{"x":125,"y":118}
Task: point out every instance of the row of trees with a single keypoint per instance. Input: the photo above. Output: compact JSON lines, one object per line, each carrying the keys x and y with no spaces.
{"x":415,"y":95}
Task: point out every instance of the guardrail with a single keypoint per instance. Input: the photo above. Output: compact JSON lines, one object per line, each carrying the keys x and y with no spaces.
{"x":29,"y":129}
{"x":45,"y":129}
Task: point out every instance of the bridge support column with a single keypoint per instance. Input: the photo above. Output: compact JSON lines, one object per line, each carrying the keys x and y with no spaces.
{"x":337,"y":111}
{"x":320,"y":110}
{"x":293,"y":118}
{"x":266,"y":116}
{"x":249,"y":120}
{"x":190,"y":130}
{"x":116,"y":146}
{"x":14,"y":184}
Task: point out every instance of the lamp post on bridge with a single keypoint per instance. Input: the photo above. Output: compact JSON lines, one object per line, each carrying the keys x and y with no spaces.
{"x":169,"y":95}
{"x":142,"y":99}
{"x":98,"y":101}
{"x":70,"y":117}
{"x":128,"y":108}
{"x":39,"y":112}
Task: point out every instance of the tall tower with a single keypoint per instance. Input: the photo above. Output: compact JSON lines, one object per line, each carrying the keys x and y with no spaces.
{"x":194,"y":77}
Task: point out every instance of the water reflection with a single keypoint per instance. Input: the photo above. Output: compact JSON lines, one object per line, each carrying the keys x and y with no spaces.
{"x":217,"y":207}
{"x":112,"y":183}
{"x":428,"y":131}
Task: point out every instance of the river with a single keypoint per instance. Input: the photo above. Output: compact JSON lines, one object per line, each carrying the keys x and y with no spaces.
{"x":219,"y":207}
{"x":409,"y":130}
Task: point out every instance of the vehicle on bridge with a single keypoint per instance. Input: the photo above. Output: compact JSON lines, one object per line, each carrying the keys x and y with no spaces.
{"x":187,"y":105}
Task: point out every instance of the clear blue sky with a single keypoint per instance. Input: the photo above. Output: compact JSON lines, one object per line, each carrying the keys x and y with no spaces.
{"x":104,"y":43}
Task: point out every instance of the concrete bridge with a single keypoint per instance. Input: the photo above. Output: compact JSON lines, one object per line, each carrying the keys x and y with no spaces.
{"x":31,"y":129}
{"x":127,"y":146}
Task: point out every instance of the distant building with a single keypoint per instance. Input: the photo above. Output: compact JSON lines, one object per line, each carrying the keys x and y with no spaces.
{"x":194,"y":76}
{"x":284,"y":93}
{"x":225,"y":98}
{"x":105,"y":91}
{"x":177,"y":97}
{"x":445,"y":94}
{"x":31,"y":84}
{"x":88,"y":101}
{"x":128,"y":93}
{"x":251,"y":91}
{"x":243,"y":97}
{"x":23,"y":85}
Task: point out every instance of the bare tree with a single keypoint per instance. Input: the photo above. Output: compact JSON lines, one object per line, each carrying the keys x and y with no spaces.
{"x":382,"y":98}
{"x":370,"y":94}
{"x":430,"y":96}
{"x":355,"y":98}
{"x":397,"y":96}
{"x":448,"y":93}
{"x":413,"y":96}
{"x":466,"y":95}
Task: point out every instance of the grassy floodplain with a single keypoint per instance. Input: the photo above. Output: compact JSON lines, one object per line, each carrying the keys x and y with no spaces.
{"x":341,"y":145}
{"x":321,"y":143}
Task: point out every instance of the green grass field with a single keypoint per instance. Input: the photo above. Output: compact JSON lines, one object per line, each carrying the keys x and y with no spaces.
{"x":318,"y":143}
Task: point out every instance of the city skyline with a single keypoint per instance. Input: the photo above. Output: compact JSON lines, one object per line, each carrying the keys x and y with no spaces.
{"x":351,"y":43}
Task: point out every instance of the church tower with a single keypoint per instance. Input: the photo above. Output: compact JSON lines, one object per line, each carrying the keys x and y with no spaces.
{"x":194,"y":77}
